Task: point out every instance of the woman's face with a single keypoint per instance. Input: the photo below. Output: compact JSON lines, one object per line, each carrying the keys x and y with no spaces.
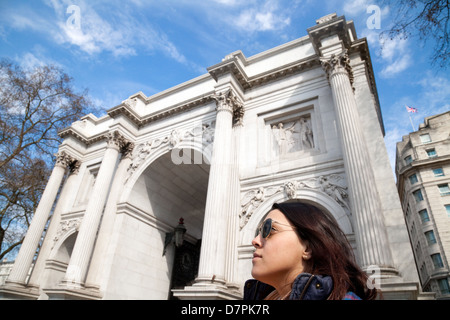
{"x":279,"y":258}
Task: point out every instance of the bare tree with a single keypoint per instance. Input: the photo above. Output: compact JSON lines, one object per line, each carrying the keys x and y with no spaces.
{"x":34,"y":105}
{"x":425,"y":19}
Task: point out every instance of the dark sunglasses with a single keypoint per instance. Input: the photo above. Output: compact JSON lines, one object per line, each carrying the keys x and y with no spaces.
{"x":266,"y":227}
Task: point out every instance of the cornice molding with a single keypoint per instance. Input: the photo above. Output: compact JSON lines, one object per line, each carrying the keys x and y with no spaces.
{"x":127,"y":109}
{"x":74,"y":133}
{"x":231,"y":65}
{"x":331,"y":25}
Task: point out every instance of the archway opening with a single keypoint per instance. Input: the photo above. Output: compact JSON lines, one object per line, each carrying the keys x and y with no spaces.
{"x":168,"y":192}
{"x":56,"y":265}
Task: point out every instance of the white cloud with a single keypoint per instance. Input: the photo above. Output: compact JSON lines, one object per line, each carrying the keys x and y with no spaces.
{"x":36,"y":57}
{"x":396,"y":66}
{"x":24,"y":19}
{"x":356,"y":6}
{"x":391,"y":48}
{"x":265,"y":18}
{"x":436,"y":94}
{"x":227,"y":2}
{"x":393,"y":54}
{"x":30,"y":61}
{"x":115,"y":28}
{"x":96,"y":35}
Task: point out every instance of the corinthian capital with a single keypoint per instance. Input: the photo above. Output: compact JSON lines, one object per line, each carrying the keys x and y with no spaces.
{"x":64,"y":160}
{"x":227,"y":101}
{"x":337,"y":63}
{"x":117,"y":141}
{"x":224,"y":101}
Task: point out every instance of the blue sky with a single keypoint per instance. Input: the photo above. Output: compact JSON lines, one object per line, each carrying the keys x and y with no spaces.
{"x":122,"y":47}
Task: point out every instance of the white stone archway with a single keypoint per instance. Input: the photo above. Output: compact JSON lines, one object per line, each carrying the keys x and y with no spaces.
{"x":142,"y":159}
{"x":58,"y":260}
{"x":156,"y":195}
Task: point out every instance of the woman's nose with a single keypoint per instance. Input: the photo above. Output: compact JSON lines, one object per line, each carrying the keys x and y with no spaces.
{"x":256,"y":242}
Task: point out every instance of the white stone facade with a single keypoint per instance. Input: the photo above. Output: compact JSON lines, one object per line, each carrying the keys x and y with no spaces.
{"x":423,"y":170}
{"x":299,"y":121}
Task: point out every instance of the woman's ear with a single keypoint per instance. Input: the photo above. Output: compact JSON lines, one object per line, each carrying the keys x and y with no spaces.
{"x":307,"y":254}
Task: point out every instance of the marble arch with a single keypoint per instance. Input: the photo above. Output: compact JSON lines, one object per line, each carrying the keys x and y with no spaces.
{"x":119,"y":245}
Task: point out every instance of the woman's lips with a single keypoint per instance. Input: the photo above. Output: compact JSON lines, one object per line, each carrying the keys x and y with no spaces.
{"x":256,"y":256}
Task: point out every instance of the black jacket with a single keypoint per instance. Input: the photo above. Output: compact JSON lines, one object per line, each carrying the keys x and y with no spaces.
{"x":304,"y":287}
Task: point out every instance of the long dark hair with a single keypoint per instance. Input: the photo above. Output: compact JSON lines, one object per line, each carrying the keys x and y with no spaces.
{"x":331,"y":253}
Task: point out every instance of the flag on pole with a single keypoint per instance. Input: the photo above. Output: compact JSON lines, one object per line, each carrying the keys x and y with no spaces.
{"x":411,"y":109}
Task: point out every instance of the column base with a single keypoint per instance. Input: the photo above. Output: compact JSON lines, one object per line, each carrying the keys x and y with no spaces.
{"x":404,"y":291}
{"x":392,"y":286}
{"x":72,"y":293}
{"x":15,"y":291}
{"x":379,"y":272}
{"x":70,"y":290}
{"x":203,"y":290}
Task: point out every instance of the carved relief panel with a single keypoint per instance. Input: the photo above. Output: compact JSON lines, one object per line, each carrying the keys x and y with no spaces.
{"x":290,"y":133}
{"x":293,"y":135}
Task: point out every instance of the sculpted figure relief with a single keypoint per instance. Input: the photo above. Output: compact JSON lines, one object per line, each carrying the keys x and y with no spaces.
{"x":284,"y":137}
{"x":306,"y":134}
{"x":293,"y":136}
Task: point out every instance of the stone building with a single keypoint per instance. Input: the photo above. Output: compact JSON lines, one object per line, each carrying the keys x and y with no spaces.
{"x":5,"y":269}
{"x":423,"y":171}
{"x":300,"y":121}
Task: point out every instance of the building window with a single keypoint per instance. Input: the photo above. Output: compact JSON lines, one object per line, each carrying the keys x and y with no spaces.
{"x":413,"y":178}
{"x":418,"y":195}
{"x":437,"y":260}
{"x":443,"y":286}
{"x":431,"y":239}
{"x":447,"y":208}
{"x":424,"y":217}
{"x":425,"y":138}
{"x":408,"y":160}
{"x":444,"y":190}
{"x":438,"y":172}
{"x":431,"y":153}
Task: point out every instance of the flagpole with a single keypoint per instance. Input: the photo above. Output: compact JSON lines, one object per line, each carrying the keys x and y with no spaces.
{"x":412,"y":125}
{"x":409,"y":114}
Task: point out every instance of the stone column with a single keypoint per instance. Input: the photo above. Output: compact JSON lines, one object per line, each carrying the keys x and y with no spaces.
{"x":29,"y":246}
{"x":84,"y":245}
{"x":371,"y":237}
{"x":40,"y":273}
{"x":214,"y":242}
{"x":234,"y":205}
{"x":100,"y":264}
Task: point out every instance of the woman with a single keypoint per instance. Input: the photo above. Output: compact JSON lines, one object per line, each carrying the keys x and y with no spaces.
{"x":301,"y":253}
